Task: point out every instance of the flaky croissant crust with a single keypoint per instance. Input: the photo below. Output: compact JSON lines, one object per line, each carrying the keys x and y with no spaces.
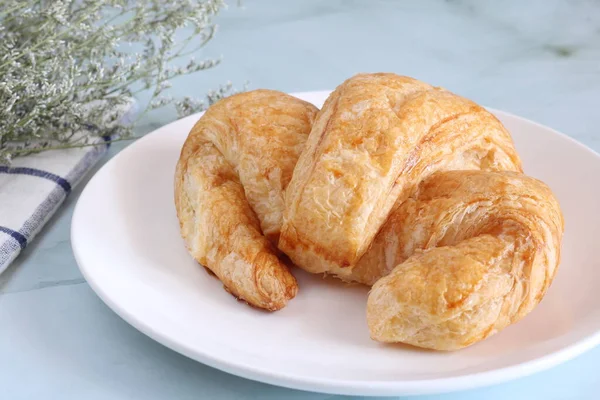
{"x":475,"y":252}
{"x":376,"y":137}
{"x":229,"y":185}
{"x":394,"y":183}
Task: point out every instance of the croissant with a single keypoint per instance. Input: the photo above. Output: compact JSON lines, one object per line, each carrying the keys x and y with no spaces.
{"x":395,"y":184}
{"x":229,"y":184}
{"x":484,"y":247}
{"x":376,"y":137}
{"x":420,"y":193}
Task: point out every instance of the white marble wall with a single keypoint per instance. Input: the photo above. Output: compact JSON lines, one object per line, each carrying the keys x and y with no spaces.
{"x":539,"y":59}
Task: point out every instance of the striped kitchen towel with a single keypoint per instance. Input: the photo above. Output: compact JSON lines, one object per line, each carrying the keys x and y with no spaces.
{"x":32,"y":188}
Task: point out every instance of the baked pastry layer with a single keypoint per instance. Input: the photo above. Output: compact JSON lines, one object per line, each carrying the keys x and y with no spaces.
{"x":229,"y":186}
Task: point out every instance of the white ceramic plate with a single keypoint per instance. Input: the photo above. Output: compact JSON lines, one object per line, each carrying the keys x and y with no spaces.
{"x":125,"y":237}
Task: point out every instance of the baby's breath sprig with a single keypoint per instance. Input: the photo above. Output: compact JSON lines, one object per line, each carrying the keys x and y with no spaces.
{"x":66,"y":76}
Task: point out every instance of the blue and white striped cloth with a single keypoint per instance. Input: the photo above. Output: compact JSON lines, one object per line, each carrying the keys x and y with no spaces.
{"x":32,"y":188}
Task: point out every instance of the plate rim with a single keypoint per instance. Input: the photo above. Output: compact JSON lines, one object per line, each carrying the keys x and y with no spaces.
{"x":327,"y":385}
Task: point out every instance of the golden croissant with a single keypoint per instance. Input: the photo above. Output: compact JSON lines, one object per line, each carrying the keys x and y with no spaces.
{"x":395,"y":184}
{"x":229,"y":185}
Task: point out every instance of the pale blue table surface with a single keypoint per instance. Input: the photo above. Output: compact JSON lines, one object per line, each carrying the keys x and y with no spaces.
{"x":537,"y":59}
